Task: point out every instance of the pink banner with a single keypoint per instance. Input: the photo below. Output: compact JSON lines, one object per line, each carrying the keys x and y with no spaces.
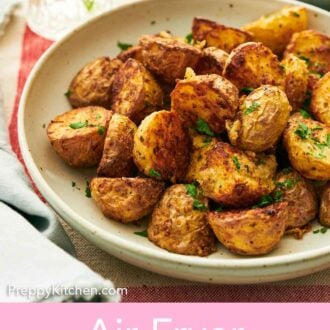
{"x":164,"y":316}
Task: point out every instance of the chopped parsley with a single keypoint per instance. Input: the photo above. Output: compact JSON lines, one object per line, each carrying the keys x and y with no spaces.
{"x":154,"y":174}
{"x":143,"y":233}
{"x":305,"y":113}
{"x":306,"y":59}
{"x":203,"y":128}
{"x":189,"y":39}
{"x":68,"y":93}
{"x":199,"y":206}
{"x":89,"y":4}
{"x":191,"y":190}
{"x":247,"y":90}
{"x":236,"y":162}
{"x":88,"y":193}
{"x":79,"y":124}
{"x":303,"y":131}
{"x":254,"y":106}
{"x":323,"y":230}
{"x":287,"y":184}
{"x":295,"y":14}
{"x":124,"y":46}
{"x":269,"y":199}
{"x":206,"y":141}
{"x":101,"y":129}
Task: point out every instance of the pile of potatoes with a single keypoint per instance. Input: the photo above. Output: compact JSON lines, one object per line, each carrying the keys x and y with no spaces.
{"x":240,"y":155}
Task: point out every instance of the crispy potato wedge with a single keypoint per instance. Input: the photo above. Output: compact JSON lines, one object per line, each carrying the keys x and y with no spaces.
{"x":296,"y":80}
{"x":92,"y":85}
{"x":300,"y":196}
{"x":135,"y":92}
{"x":211,"y":98}
{"x":78,"y":135}
{"x":251,"y":65}
{"x":275,"y":30}
{"x":117,"y":158}
{"x":126,"y":199}
{"x":218,"y":35}
{"x":213,"y":60}
{"x":250,"y":232}
{"x":179,"y":223}
{"x":261,"y":120}
{"x":320,"y":102}
{"x":162,"y":147}
{"x":168,"y":58}
{"x":312,"y":47}
{"x":134,"y":52}
{"x":307,"y":143}
{"x":325,"y":206}
{"x":230,"y":176}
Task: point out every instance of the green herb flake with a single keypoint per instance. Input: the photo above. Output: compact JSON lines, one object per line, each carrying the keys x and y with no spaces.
{"x":191,"y":190}
{"x":306,"y":59}
{"x":236,"y":162}
{"x":254,"y":106}
{"x":317,"y":128}
{"x":305,"y":113}
{"x":143,"y":233}
{"x":154,"y":174}
{"x":316,"y":231}
{"x":189,"y":38}
{"x":206,"y":141}
{"x":278,"y":195}
{"x":303,"y":131}
{"x":323,"y":230}
{"x":203,"y":128}
{"x":73,"y":184}
{"x":264,"y":201}
{"x":89,"y":4}
{"x":88,"y":193}
{"x":100,"y":129}
{"x":79,"y":125}
{"x":287,"y":184}
{"x":295,"y":14}
{"x":68,"y":93}
{"x":123,"y":46}
{"x":199,"y":206}
{"x":247,"y":90}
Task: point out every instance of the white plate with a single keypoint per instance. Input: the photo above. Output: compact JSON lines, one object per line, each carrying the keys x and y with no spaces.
{"x":43,"y":98}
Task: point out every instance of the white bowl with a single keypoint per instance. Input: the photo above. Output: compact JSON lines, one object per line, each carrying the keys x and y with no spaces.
{"x":43,"y":98}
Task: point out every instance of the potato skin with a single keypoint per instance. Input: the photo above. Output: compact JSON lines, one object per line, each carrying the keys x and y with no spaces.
{"x":162,"y":145}
{"x":320,"y":102}
{"x":251,"y":65}
{"x":325,"y":206}
{"x":260,"y":129}
{"x":250,"y":232}
{"x":213,"y":60}
{"x":80,"y":147}
{"x":126,"y":199}
{"x":215,"y":168}
{"x":117,"y":158}
{"x":178,"y":227}
{"x":314,"y":47}
{"x":300,"y":196}
{"x":209,"y":97}
{"x":134,"y":52}
{"x":93,"y":83}
{"x":168,"y":58}
{"x":135,"y":92}
{"x":218,"y":35}
{"x":306,"y":155}
{"x":275,"y":30}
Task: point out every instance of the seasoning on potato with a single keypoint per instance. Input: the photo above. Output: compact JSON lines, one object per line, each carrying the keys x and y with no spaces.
{"x":179,"y":222}
{"x":325,"y":206}
{"x":261,"y":120}
{"x":250,"y":232}
{"x":126,"y":199}
{"x":213,"y":60}
{"x":92,"y":85}
{"x":78,"y":135}
{"x":117,"y":158}
{"x":134,"y":52}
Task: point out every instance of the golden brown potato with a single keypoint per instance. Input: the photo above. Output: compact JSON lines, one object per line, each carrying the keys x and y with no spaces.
{"x":213,"y":60}
{"x":78,"y":135}
{"x":251,"y":65}
{"x":134,"y":52}
{"x":135,"y":92}
{"x":162,"y":146}
{"x":179,"y":222}
{"x":117,"y":158}
{"x":250,"y":232}
{"x":218,"y":35}
{"x":275,"y":30}
{"x":307,"y":143}
{"x":211,"y":98}
{"x":296,"y":80}
{"x":126,"y":199}
{"x":325,"y":206}
{"x":300,"y":196}
{"x":92,"y":85}
{"x":168,"y":58}
{"x":312,"y":47}
{"x":261,"y":120}
{"x":320,"y":102}
{"x":230,"y":176}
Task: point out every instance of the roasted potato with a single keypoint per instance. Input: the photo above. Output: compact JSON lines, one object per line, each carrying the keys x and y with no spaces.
{"x":275,"y":30}
{"x":296,"y":80}
{"x":213,"y":60}
{"x":230,"y":176}
{"x":117,"y":158}
{"x":325,"y":206}
{"x":162,"y":147}
{"x":312,"y":47}
{"x":168,"y":58}
{"x":211,"y":98}
{"x":218,"y":35}
{"x":320,"y":102}
{"x":307,"y":143}
{"x":300,"y":196}
{"x":179,"y":222}
{"x":134,"y":52}
{"x":251,"y":65}
{"x":261,"y":120}
{"x":135,"y":92}
{"x":126,"y":199}
{"x":250,"y":232}
{"x":92,"y":85}
{"x":78,"y":135}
